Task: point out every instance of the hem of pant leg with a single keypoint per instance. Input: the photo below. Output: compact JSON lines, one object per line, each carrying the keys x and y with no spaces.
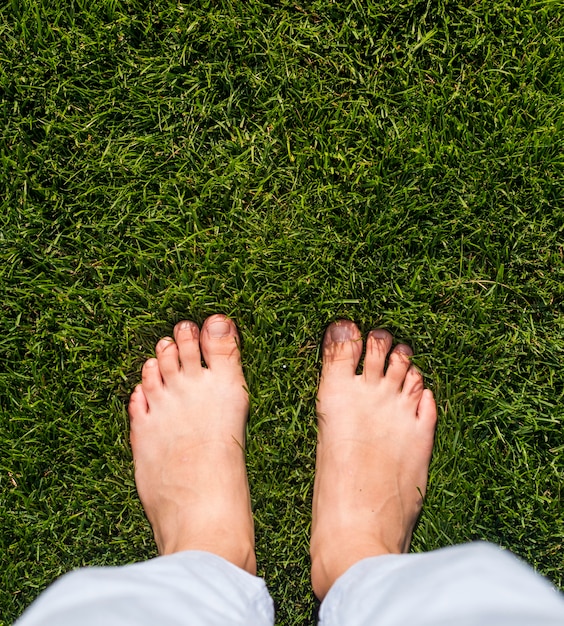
{"x":259,"y":597}
{"x":381,"y":569}
{"x":340,"y":587}
{"x":170,"y":572}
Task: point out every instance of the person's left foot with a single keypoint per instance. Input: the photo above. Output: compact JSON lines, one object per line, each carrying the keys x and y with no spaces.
{"x":374,"y":445}
{"x":188,"y":436}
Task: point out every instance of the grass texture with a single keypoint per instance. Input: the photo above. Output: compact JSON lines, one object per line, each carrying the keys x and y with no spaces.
{"x":398,"y":163}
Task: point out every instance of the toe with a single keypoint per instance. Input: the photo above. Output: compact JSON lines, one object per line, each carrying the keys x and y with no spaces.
{"x":413,"y":385}
{"x":398,"y":365}
{"x":151,"y":377}
{"x":167,"y":356}
{"x":342,"y":348}
{"x":219,"y":341}
{"x":138,"y":405}
{"x":427,"y":411}
{"x":187,"y":336}
{"x":378,"y":345}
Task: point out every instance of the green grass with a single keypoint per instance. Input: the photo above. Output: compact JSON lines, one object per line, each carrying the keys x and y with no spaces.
{"x":397,"y":163}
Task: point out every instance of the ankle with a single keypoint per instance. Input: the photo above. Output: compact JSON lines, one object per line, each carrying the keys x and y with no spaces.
{"x":332,"y":557}
{"x":241,"y":554}
{"x":238,"y":551}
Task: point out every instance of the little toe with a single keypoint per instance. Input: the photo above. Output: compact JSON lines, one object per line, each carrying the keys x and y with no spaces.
{"x":138,"y":405}
{"x":219,"y":341}
{"x":378,"y":345}
{"x":167,"y":356}
{"x":151,"y":377}
{"x":187,"y":335}
{"x":342,"y":348}
{"x":398,"y":365}
{"x":413,"y":385}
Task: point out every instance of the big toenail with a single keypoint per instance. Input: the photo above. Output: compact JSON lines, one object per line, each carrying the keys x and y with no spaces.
{"x":219,"y":329}
{"x":341,"y":332}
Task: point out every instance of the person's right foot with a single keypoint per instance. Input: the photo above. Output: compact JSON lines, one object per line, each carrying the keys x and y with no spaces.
{"x":375,"y":437}
{"x":188,"y":438}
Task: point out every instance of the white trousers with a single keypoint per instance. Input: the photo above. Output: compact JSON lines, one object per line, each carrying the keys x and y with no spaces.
{"x":474,"y":584}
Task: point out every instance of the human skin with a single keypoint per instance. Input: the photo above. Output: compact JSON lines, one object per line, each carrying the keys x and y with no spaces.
{"x":375,"y":438}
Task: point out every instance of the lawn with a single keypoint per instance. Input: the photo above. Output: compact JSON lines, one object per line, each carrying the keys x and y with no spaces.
{"x":397,"y":163}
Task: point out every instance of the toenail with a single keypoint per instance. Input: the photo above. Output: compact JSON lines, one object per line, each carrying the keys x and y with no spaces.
{"x":185,"y":325}
{"x":219,"y":329}
{"x":341,"y":332}
{"x":150,"y":362}
{"x":404,"y":349}
{"x":379,"y":333}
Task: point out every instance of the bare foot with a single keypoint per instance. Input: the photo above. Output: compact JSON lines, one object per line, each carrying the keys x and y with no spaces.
{"x":187,"y":436}
{"x":375,"y":439}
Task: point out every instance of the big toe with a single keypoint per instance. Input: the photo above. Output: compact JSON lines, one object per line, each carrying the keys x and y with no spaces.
{"x":219,"y":342}
{"x":342,"y":348}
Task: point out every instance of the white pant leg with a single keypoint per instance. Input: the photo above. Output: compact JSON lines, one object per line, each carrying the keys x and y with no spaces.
{"x":475,"y":584}
{"x":187,"y":588}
